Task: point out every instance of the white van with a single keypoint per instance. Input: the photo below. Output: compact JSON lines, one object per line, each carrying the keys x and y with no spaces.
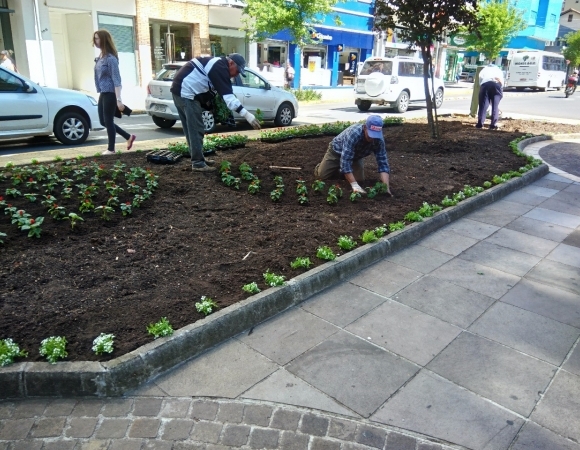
{"x":536,"y":69}
{"x":394,"y":82}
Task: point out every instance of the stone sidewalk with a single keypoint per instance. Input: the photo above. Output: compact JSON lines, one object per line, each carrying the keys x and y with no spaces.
{"x":467,"y":339}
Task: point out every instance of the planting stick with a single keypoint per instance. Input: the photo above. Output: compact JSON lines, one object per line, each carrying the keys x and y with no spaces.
{"x":287,"y":168}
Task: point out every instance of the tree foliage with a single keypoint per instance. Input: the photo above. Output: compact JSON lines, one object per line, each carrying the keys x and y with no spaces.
{"x":572,"y":51}
{"x":421,"y":24}
{"x":263,"y":18}
{"x":498,"y":23}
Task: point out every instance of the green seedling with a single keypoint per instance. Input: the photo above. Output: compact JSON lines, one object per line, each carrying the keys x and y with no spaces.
{"x":354,"y":196}
{"x":103,"y":343}
{"x":413,"y":216}
{"x":325,"y":252}
{"x":251,"y":288}
{"x":9,"y":350}
{"x":53,"y":348}
{"x":160,"y":329}
{"x":318,"y":186}
{"x":301,"y":263}
{"x":206,"y":306}
{"x":272,"y":279}
{"x":346,"y":243}
{"x":380,"y":231}
{"x":368,"y":236}
{"x":396,"y":226}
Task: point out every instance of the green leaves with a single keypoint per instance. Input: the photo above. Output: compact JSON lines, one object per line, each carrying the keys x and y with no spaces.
{"x":160,"y":329}
{"x":54,"y":348}
{"x":206,"y":306}
{"x":10,"y":350}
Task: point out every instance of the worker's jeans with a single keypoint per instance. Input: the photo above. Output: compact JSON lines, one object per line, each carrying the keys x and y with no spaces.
{"x":190,"y":115}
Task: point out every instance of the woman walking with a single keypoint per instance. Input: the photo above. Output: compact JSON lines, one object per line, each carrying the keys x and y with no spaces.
{"x":108,"y":84}
{"x":7,"y":61}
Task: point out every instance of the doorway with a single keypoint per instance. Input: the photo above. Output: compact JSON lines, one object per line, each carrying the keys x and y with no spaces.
{"x":170,"y":42}
{"x":6,"y":42}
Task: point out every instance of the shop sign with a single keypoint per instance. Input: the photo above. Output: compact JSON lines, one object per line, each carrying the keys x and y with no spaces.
{"x":321,"y":37}
{"x":458,"y":40}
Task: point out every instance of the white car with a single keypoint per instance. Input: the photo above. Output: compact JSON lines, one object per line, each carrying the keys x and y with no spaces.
{"x":28,"y":109}
{"x":253,"y":91}
{"x":394,"y":82}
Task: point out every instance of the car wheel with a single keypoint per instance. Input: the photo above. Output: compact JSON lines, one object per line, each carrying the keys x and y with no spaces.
{"x":519,"y":89}
{"x":208,"y":121}
{"x":284,"y":115}
{"x":71,"y":128}
{"x":364,"y":105}
{"x":163,"y":123}
{"x":402,"y":103}
{"x":438,"y":98}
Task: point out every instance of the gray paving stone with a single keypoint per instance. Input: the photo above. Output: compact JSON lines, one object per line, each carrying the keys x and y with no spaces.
{"x":81,"y":427}
{"x":59,"y":445}
{"x":177,"y":429}
{"x":405,"y":331}
{"x":385,"y":278}
{"x":560,"y":408}
{"x":147,"y":390}
{"x":526,"y":198}
{"x":527,"y":332}
{"x":293,"y":441}
{"x":112,"y":428}
{"x":285,"y":420}
{"x":573,"y":363}
{"x":493,"y":216}
{"x":324,"y":444}
{"x":226,"y":371}
{"x":196,"y":446}
{"x":419,"y":258}
{"x":88,"y":408}
{"x":398,"y":441}
{"x":158,"y":445}
{"x":6,"y":410}
{"x":4,"y":445}
{"x":130,"y":444}
{"x":540,"y":191}
{"x":444,"y":300}
{"x":231,"y":412}
{"x":550,"y":184}
{"x":566,"y":254}
{"x":501,"y":258}
{"x":559,"y":203}
{"x":522,"y":242}
{"x":485,"y":280}
{"x":428,"y":446}
{"x":147,"y":406}
{"x":208,"y":432}
{"x":547,"y":301}
{"x":438,"y":408}
{"x":93,"y":445}
{"x":204,"y":409}
{"x":371,"y":436}
{"x":283,"y":387}
{"x":314,"y":425}
{"x":15,"y":429}
{"x":342,"y":304}
{"x":554,"y":217}
{"x":556,"y":274}
{"x":333,"y":367}
{"x":28,"y":444}
{"x":117,"y":407}
{"x":235,"y":435}
{"x":511,"y":207}
{"x":342,"y":429}
{"x":354,"y":446}
{"x":144,"y":428}
{"x":556,"y":177}
{"x":446,"y":241}
{"x":493,"y":371}
{"x":25,"y":409}
{"x":48,"y":427}
{"x":257,"y":415}
{"x":288,"y":335}
{"x":263,"y":438}
{"x":540,"y":229}
{"x":573,"y":239}
{"x":60,"y":407}
{"x":175,"y":407}
{"x":534,"y":437}
{"x":472,"y":228}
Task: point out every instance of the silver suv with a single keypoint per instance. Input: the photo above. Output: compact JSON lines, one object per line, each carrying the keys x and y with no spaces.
{"x":394,"y":82}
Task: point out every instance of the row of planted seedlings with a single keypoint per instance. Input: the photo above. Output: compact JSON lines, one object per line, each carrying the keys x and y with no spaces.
{"x":211,"y":143}
{"x":54,"y":348}
{"x":71,"y":190}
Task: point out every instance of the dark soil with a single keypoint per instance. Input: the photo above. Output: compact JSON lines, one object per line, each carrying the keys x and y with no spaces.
{"x":198,"y":237}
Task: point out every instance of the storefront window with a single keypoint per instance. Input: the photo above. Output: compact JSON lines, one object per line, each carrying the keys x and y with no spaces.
{"x":122,"y":30}
{"x":314,"y":52}
{"x":170,"y":42}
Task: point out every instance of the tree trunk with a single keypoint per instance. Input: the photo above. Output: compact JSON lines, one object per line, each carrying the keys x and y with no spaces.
{"x":428,"y":73}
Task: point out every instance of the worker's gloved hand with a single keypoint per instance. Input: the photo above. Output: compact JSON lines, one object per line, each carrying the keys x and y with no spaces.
{"x":252,"y":120}
{"x":356,"y":188}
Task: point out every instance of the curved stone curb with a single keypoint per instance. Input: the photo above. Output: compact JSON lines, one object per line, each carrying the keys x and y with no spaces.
{"x":127,"y":372}
{"x":186,"y":423}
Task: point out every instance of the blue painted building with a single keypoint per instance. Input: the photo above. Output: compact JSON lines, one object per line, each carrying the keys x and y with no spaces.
{"x":336,"y":49}
{"x":542,"y":17}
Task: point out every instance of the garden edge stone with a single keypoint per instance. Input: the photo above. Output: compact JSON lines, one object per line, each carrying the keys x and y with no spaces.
{"x":129,"y":371}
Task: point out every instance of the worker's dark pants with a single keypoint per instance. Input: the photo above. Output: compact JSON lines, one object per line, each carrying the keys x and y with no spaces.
{"x":489,"y":92}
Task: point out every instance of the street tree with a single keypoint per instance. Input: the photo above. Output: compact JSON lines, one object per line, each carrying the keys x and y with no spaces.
{"x":572,"y":51}
{"x":422,"y":24}
{"x":498,"y":22}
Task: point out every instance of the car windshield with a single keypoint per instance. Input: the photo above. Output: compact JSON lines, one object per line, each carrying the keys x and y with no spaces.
{"x":384,"y":67}
{"x":167,"y":73}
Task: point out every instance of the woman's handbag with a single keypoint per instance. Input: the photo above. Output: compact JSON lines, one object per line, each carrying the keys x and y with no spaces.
{"x":127,"y":111}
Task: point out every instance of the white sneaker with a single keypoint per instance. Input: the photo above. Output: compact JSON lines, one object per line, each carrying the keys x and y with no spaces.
{"x":108,"y":152}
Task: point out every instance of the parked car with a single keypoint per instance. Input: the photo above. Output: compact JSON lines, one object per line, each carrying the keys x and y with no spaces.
{"x":28,"y":109}
{"x":253,"y":91}
{"x":394,"y":82}
{"x":468,"y":75}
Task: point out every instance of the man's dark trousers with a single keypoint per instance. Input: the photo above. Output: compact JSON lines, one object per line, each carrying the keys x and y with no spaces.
{"x":489,"y":92}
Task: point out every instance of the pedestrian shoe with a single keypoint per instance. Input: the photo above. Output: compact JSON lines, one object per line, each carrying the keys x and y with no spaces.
{"x":478,"y":126}
{"x":494,"y":128}
{"x":130,"y":141}
{"x":210,"y":162}
{"x":205,"y":168}
{"x":108,"y":152}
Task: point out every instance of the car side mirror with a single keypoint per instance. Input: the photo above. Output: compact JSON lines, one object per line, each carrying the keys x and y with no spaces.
{"x":268,"y":86}
{"x":28,"y":88}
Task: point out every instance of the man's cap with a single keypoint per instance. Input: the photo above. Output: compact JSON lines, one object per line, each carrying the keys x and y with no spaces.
{"x":240,"y":62}
{"x":375,"y":127}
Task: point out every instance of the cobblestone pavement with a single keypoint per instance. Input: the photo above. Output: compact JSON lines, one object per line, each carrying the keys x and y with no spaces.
{"x":185,"y":423}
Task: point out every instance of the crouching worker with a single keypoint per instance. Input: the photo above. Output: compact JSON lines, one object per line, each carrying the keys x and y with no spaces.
{"x":346,"y":153}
